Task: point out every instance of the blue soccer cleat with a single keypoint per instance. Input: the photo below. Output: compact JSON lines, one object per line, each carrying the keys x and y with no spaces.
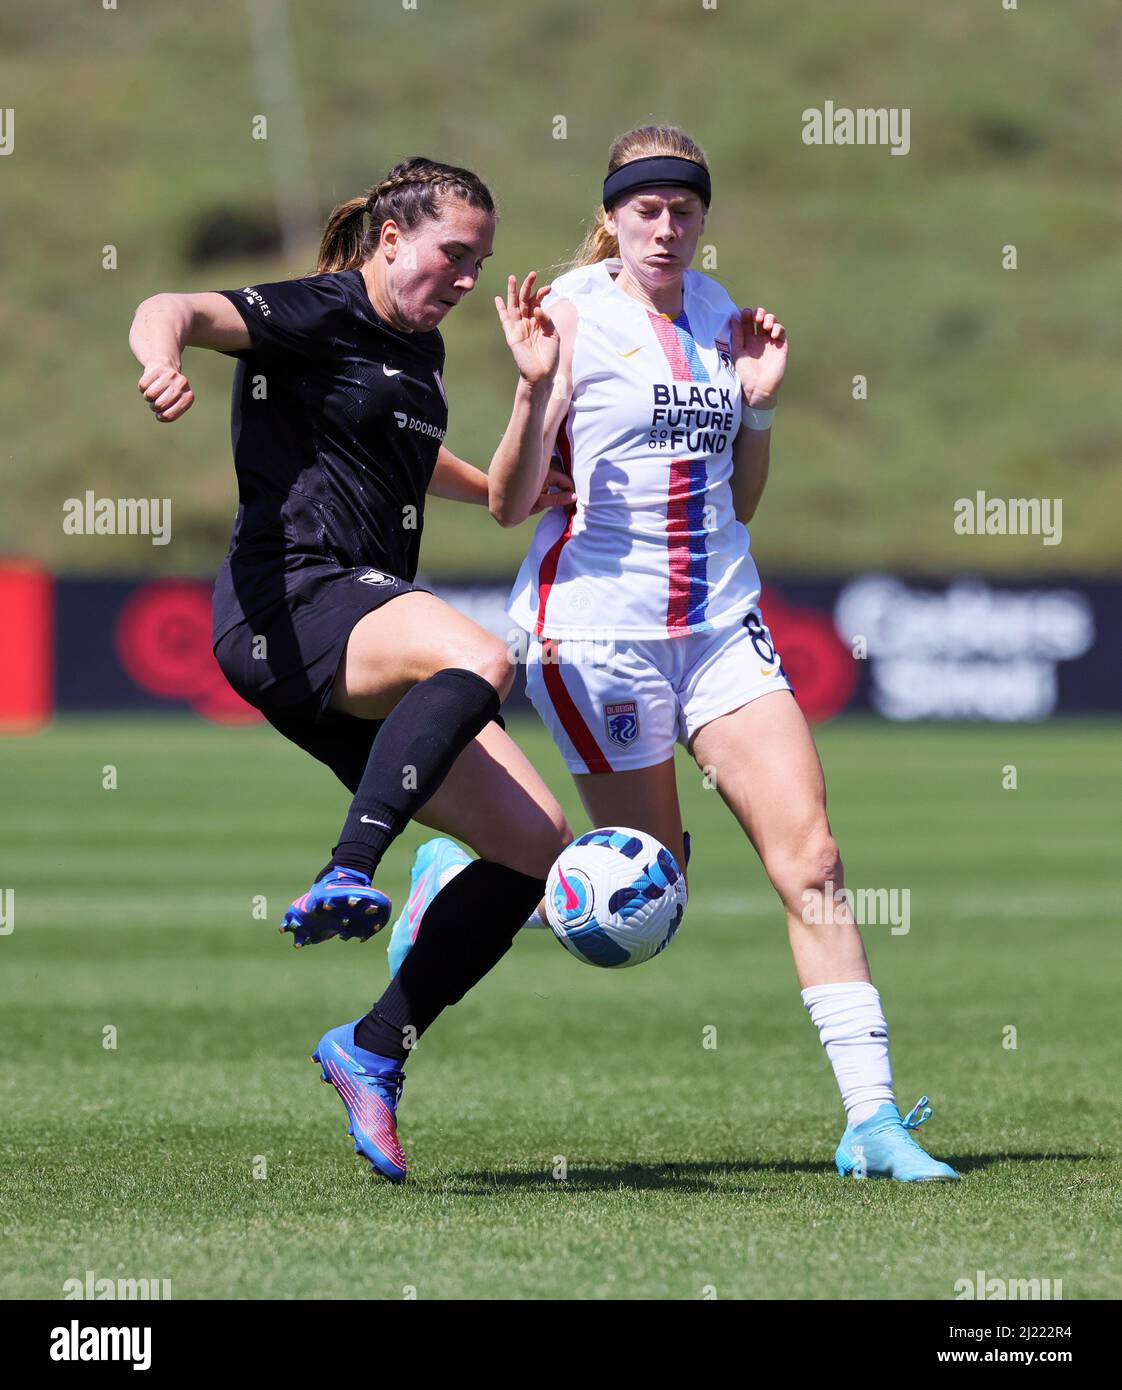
{"x":370,"y":1087}
{"x":437,"y":861}
{"x":882,"y":1147}
{"x":341,"y":903}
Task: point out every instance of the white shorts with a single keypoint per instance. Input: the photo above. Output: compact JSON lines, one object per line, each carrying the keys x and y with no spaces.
{"x":615,"y":706}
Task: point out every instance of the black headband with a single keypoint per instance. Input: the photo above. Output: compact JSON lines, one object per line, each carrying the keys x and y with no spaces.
{"x":655,"y":170}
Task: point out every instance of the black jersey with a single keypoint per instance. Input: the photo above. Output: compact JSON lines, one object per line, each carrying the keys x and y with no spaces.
{"x":337,"y":419}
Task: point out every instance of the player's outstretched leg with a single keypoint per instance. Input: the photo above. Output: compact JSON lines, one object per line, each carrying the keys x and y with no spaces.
{"x":471,"y":921}
{"x":882,"y":1147}
{"x":365,"y":1060}
{"x":340,"y":903}
{"x":370,"y":1087}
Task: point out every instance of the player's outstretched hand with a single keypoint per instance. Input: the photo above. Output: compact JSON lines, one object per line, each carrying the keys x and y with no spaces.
{"x":562,"y":494}
{"x":759,"y":350}
{"x":529,"y":330}
{"x":167,"y":391}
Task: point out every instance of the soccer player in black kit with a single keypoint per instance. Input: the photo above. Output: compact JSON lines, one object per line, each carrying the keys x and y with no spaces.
{"x":338,"y":422}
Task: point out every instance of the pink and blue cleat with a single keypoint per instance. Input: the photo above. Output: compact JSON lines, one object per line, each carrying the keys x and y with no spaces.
{"x":341,"y":903}
{"x":436,"y":863}
{"x":369,"y":1085}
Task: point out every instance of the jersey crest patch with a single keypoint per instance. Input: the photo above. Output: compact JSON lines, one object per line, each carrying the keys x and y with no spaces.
{"x":622,"y":722}
{"x":724,"y":351}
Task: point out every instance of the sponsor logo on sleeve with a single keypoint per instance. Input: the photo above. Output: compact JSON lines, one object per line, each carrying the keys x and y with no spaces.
{"x":254,"y":300}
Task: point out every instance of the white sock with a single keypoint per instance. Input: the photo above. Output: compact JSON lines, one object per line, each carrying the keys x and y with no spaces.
{"x":850,"y":1022}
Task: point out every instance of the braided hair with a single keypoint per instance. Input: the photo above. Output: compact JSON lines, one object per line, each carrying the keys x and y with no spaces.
{"x":411,"y":192}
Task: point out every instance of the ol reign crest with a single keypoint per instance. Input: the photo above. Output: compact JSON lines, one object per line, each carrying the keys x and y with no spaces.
{"x":622,"y":720}
{"x":724,"y":351}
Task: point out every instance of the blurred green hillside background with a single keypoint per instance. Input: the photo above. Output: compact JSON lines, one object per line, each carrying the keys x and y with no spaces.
{"x":133,"y":127}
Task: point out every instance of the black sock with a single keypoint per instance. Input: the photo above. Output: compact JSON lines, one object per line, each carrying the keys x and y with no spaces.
{"x":411,"y":756}
{"x":467,"y":928}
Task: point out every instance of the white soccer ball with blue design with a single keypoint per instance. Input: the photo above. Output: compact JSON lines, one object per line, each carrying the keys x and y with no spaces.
{"x":615,"y":897}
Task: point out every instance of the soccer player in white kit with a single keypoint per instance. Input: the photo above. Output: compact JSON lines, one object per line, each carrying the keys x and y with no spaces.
{"x":655,"y":391}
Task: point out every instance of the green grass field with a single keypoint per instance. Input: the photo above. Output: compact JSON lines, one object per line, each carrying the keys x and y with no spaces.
{"x":688,"y":1167}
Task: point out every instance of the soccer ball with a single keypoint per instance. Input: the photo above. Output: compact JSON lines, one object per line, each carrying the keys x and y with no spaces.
{"x":615,"y":897}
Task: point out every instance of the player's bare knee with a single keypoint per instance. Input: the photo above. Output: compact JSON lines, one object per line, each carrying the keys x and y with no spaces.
{"x":825,"y":861}
{"x":559,"y":836}
{"x":543,"y":843}
{"x":492,"y":662}
{"x":538,"y":846}
{"x":813,"y":867}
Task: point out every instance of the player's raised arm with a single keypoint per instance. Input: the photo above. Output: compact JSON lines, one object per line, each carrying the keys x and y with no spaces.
{"x":162,"y":327}
{"x":519,"y":473}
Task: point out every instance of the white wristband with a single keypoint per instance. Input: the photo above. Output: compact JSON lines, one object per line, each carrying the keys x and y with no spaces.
{"x":758,"y":419}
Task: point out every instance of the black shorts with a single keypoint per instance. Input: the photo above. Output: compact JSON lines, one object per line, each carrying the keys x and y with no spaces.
{"x":284,"y":659}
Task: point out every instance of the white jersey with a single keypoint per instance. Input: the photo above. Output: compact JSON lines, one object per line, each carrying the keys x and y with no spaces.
{"x":652,"y":547}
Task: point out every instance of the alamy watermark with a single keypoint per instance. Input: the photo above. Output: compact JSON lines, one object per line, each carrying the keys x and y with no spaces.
{"x":77,"y":1343}
{"x":118,"y":516}
{"x":840,"y":125}
{"x":1015,"y":516}
{"x":525,"y":650}
{"x":875,"y":907}
{"x":90,"y":1286}
{"x":982,"y":1287}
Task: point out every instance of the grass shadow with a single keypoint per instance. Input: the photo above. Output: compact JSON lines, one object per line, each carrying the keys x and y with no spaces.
{"x":633,"y":1176}
{"x":698,"y":1177}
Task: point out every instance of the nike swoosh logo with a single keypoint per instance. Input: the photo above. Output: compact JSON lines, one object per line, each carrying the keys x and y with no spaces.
{"x":366,"y":820}
{"x":571,"y":900}
{"x":767,"y":670}
{"x":392,"y":371}
{"x":633,"y":351}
